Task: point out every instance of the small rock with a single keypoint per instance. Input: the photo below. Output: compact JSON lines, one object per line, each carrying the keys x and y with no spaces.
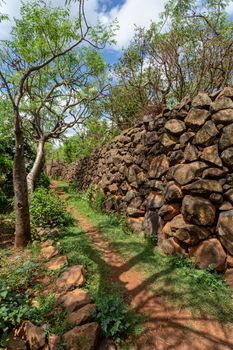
{"x":214,"y":173}
{"x":206,"y":135}
{"x":136,"y":223}
{"x":210,"y":154}
{"x":158,"y":167}
{"x":216,"y":198}
{"x":202,"y":100}
{"x":15,"y":343}
{"x":74,"y":300}
{"x":53,"y":341}
{"x":187,"y":233}
{"x":229,"y":277}
{"x":198,"y":211}
{"x":175,"y":126}
{"x":169,"y":211}
{"x":186,"y":137}
{"x":226,"y":139}
{"x":34,"y":335}
{"x":57,"y":263}
{"x":222,"y":103}
{"x":229,"y":260}
{"x":49,"y":252}
{"x":227,"y":156}
{"x":83,"y":337}
{"x":196,"y":117}
{"x":81,"y":316}
{"x":154,"y":200}
{"x":170,"y":246}
{"x":223,"y":117}
{"x":226,"y":206}
{"x":47,"y":243}
{"x":71,"y":278}
{"x":172,"y":192}
{"x":225,"y":229}
{"x":209,"y":253}
{"x":167,"y":141}
{"x":190,"y":153}
{"x":185,"y":173}
{"x":203,"y":187}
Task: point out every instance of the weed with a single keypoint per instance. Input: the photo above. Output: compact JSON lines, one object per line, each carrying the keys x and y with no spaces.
{"x":114,"y":316}
{"x":47,"y":210}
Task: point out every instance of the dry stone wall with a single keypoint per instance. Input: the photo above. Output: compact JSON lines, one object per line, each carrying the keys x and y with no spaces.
{"x":172,"y":175}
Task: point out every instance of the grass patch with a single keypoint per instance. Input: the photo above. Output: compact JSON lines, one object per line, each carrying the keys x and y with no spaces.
{"x":174,"y":278}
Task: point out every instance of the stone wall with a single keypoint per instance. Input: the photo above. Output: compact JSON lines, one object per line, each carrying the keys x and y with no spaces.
{"x":172,"y":175}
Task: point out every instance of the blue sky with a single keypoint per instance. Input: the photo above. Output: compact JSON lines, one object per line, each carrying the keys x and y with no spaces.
{"x":128,"y":12}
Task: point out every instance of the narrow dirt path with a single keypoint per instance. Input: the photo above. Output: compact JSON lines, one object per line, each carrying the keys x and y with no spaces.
{"x":166,"y":328}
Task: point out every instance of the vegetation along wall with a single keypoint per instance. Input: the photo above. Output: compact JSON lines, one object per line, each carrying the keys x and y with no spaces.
{"x":172,"y":175}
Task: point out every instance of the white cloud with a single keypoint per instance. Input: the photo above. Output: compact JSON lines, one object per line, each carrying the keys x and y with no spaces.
{"x":134,"y":12}
{"x":131,"y":12}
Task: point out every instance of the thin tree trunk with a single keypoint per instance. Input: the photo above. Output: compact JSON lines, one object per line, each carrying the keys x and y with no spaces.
{"x":37,"y":166}
{"x":22,"y":218}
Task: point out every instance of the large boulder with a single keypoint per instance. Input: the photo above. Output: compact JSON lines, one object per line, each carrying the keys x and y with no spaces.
{"x":225,"y":229}
{"x":209,"y":253}
{"x":187,"y":233}
{"x":198,"y":211}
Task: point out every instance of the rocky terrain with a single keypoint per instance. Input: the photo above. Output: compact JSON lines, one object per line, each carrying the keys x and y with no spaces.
{"x":172,"y":175}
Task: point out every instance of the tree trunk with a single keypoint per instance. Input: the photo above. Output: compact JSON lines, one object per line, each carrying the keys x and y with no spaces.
{"x":37,"y":166}
{"x":22,"y":218}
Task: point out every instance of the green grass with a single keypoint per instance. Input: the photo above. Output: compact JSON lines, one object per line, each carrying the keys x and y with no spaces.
{"x":173,"y":278}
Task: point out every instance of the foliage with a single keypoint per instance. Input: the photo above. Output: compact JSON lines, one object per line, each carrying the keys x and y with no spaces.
{"x":42,"y":181}
{"x":114,"y":316}
{"x":187,"y":51}
{"x":14,"y":307}
{"x":47,"y":210}
{"x":94,"y":133}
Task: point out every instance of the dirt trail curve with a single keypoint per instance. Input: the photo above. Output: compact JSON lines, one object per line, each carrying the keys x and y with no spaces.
{"x":166,"y":328}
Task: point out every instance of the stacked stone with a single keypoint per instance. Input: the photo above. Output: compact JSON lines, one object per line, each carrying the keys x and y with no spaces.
{"x":172,"y":175}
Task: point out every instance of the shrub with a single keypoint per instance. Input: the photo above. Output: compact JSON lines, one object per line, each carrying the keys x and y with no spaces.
{"x":114,"y":316}
{"x":14,"y":308}
{"x":42,"y":181}
{"x":47,"y":209}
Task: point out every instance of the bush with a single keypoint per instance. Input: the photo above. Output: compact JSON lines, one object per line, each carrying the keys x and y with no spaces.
{"x":95,"y":198}
{"x":14,"y":308}
{"x":47,"y":210}
{"x":114,"y":316}
{"x":42,"y":181}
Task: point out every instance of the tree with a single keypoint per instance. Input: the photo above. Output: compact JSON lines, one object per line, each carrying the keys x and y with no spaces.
{"x":40,"y":37}
{"x":189,"y":50}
